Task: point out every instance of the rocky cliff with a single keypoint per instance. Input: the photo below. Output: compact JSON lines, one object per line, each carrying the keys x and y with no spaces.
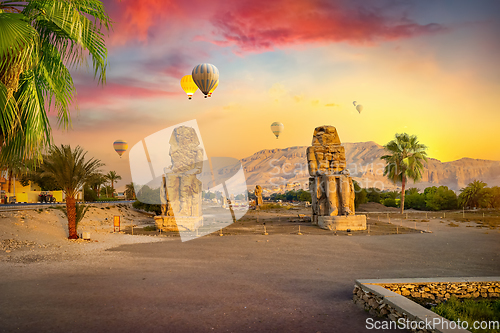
{"x":275,"y":167}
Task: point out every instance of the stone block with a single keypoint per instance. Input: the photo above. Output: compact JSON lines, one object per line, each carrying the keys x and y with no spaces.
{"x":342,"y":223}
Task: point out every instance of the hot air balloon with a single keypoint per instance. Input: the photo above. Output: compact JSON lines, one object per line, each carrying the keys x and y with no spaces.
{"x":188,"y":85}
{"x":359,"y":107}
{"x":205,"y":76}
{"x":120,"y":147}
{"x":277,"y":128}
{"x":212,"y":90}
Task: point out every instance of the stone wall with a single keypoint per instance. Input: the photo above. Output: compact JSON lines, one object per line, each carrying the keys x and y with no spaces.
{"x":389,"y":297}
{"x":443,"y":291}
{"x":374,"y":304}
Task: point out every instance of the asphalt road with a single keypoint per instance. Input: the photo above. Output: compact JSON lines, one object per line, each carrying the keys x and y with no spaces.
{"x":275,"y":283}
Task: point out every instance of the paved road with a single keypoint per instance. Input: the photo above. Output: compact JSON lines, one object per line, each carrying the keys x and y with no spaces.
{"x":275,"y":283}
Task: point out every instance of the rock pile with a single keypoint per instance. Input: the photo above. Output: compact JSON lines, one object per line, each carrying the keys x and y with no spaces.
{"x":443,"y":291}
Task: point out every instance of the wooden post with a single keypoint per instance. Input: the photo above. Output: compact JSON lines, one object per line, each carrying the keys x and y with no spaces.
{"x":397,"y":230}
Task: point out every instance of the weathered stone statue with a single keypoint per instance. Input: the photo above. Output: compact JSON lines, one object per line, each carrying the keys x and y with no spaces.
{"x":332,"y":190}
{"x":181,"y":190}
{"x":258,"y":196}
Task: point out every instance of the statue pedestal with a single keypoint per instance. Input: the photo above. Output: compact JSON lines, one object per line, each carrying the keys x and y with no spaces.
{"x":171,"y":223}
{"x":342,"y":223}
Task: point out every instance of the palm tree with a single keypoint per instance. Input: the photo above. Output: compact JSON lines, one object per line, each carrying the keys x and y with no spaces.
{"x":113,"y":178}
{"x":96,"y":181}
{"x":39,"y":41}
{"x":130,"y":191}
{"x":405,"y":161}
{"x":70,"y":170}
{"x":473,"y":194}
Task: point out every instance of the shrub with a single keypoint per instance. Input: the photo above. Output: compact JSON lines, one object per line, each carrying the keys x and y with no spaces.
{"x":390,"y":202}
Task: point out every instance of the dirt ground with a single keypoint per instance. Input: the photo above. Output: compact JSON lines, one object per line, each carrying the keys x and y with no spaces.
{"x":243,"y":281}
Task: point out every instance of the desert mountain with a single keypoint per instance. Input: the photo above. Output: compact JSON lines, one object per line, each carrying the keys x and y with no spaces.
{"x":272,"y":168}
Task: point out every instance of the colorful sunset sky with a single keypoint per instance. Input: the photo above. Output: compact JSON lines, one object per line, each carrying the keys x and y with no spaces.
{"x":429,"y":68}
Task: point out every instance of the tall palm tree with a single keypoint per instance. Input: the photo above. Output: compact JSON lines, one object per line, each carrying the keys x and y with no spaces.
{"x":70,"y":170}
{"x":113,"y":178}
{"x":405,"y":161}
{"x":39,"y":41}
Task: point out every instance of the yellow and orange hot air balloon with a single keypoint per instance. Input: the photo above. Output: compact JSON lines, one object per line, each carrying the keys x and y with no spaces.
{"x":212,"y":90}
{"x":188,"y":85}
{"x":277,"y":128}
{"x":120,"y":146}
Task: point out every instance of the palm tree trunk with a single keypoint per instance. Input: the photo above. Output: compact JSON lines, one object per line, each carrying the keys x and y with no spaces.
{"x":71,"y":210}
{"x":403,"y":184}
{"x":113,"y":189}
{"x":10,"y":181}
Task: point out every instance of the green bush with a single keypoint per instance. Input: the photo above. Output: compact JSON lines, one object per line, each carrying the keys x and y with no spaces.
{"x":89,"y":194}
{"x":390,"y":202}
{"x":147,"y":207}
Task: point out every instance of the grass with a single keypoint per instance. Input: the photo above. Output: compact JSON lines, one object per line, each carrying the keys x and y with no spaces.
{"x":149,"y":228}
{"x":273,"y":206}
{"x":470,"y":311}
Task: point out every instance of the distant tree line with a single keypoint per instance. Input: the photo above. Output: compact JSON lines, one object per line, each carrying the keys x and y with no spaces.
{"x":291,"y":196}
{"x":474,"y":195}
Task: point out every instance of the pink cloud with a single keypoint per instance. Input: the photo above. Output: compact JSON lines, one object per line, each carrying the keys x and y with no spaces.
{"x":259,"y":25}
{"x":93,"y":94}
{"x":263,"y":25}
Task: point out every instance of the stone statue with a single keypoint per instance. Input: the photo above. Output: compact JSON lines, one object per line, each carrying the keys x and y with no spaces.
{"x":181,"y":190}
{"x":331,"y":187}
{"x":258,"y":196}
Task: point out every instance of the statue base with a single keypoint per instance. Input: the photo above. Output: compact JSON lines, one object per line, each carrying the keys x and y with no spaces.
{"x":343,"y":222}
{"x":171,"y":223}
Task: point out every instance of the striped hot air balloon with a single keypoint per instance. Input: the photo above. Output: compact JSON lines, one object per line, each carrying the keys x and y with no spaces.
{"x":205,"y":76}
{"x":277,"y":128}
{"x":120,"y":146}
{"x":212,"y":90}
{"x":188,"y":85}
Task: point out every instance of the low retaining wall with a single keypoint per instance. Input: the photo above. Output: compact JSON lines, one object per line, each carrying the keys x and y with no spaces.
{"x":385,"y":298}
{"x":441,"y":291}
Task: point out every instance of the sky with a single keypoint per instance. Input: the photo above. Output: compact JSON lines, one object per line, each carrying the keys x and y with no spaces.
{"x":427,"y":68}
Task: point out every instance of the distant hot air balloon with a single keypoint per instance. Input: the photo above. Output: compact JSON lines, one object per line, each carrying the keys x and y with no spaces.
{"x":354,"y":103}
{"x":120,"y":147}
{"x":359,"y":107}
{"x":212,"y":90}
{"x":277,"y":128}
{"x":188,"y":85}
{"x":205,"y":76}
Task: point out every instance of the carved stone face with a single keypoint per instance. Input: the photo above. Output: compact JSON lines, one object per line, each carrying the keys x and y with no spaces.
{"x":325,"y":135}
{"x":184,"y":136}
